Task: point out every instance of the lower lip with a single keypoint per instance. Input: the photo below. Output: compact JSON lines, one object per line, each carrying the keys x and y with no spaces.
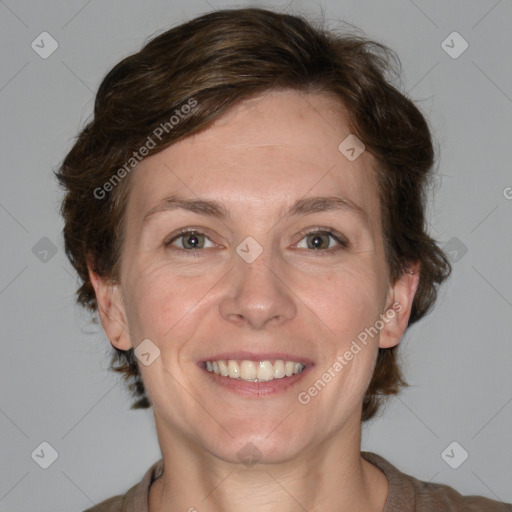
{"x":256,"y":389}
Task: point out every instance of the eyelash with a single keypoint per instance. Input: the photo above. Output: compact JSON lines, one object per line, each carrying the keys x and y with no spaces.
{"x":343,"y":243}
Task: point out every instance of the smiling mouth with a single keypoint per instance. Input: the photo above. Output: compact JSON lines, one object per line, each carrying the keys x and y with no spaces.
{"x":254,"y":371}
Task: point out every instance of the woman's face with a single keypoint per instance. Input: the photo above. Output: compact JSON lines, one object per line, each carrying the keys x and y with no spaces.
{"x":278,"y":276}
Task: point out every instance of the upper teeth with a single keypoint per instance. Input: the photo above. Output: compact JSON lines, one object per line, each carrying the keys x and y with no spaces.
{"x":255,"y":371}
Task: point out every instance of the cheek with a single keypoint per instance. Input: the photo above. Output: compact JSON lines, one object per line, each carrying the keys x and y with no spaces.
{"x":166,"y":306}
{"x":162,"y":304}
{"x":350,"y":309}
{"x":347,"y":301}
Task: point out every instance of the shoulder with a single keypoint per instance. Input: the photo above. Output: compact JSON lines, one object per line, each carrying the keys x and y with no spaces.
{"x":408,"y":494}
{"x":113,"y":504}
{"x":136,"y":498}
{"x":441,"y":497}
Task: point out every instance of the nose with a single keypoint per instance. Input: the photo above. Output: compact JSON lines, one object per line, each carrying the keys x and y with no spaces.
{"x":257,"y":295}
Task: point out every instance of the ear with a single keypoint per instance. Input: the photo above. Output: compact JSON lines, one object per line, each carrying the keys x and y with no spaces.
{"x":111,"y":311}
{"x":398,"y":307}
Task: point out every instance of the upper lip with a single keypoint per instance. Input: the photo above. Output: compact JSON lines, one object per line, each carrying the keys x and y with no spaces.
{"x":257,"y":356}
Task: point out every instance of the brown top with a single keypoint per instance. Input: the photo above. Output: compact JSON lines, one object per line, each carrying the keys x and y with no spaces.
{"x":406,"y":494}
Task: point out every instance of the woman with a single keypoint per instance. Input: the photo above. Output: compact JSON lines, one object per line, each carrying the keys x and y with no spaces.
{"x":246,"y":214}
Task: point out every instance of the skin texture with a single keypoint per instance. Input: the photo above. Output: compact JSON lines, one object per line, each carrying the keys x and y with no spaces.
{"x":258,"y":159}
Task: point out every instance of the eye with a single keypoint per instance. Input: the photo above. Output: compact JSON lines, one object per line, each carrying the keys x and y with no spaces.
{"x":190,"y":240}
{"x":322,"y":240}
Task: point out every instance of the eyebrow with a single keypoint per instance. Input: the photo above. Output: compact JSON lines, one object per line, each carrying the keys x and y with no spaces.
{"x":217,"y":209}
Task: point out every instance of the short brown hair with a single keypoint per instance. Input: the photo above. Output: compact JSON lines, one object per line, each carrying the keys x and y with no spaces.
{"x":220,"y":59}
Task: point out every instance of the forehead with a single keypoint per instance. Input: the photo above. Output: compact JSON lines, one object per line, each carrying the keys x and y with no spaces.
{"x":264,"y":154}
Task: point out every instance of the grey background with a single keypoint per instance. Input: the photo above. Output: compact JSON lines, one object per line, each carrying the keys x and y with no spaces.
{"x":53,"y":377}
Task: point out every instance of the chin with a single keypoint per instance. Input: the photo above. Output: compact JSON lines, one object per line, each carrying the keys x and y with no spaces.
{"x":257,"y":446}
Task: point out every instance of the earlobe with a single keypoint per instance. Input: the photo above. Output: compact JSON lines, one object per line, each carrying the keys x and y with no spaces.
{"x":399,"y":306}
{"x":111,"y":311}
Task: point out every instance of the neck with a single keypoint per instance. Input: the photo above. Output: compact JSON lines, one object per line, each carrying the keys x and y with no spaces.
{"x":329,"y":477}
